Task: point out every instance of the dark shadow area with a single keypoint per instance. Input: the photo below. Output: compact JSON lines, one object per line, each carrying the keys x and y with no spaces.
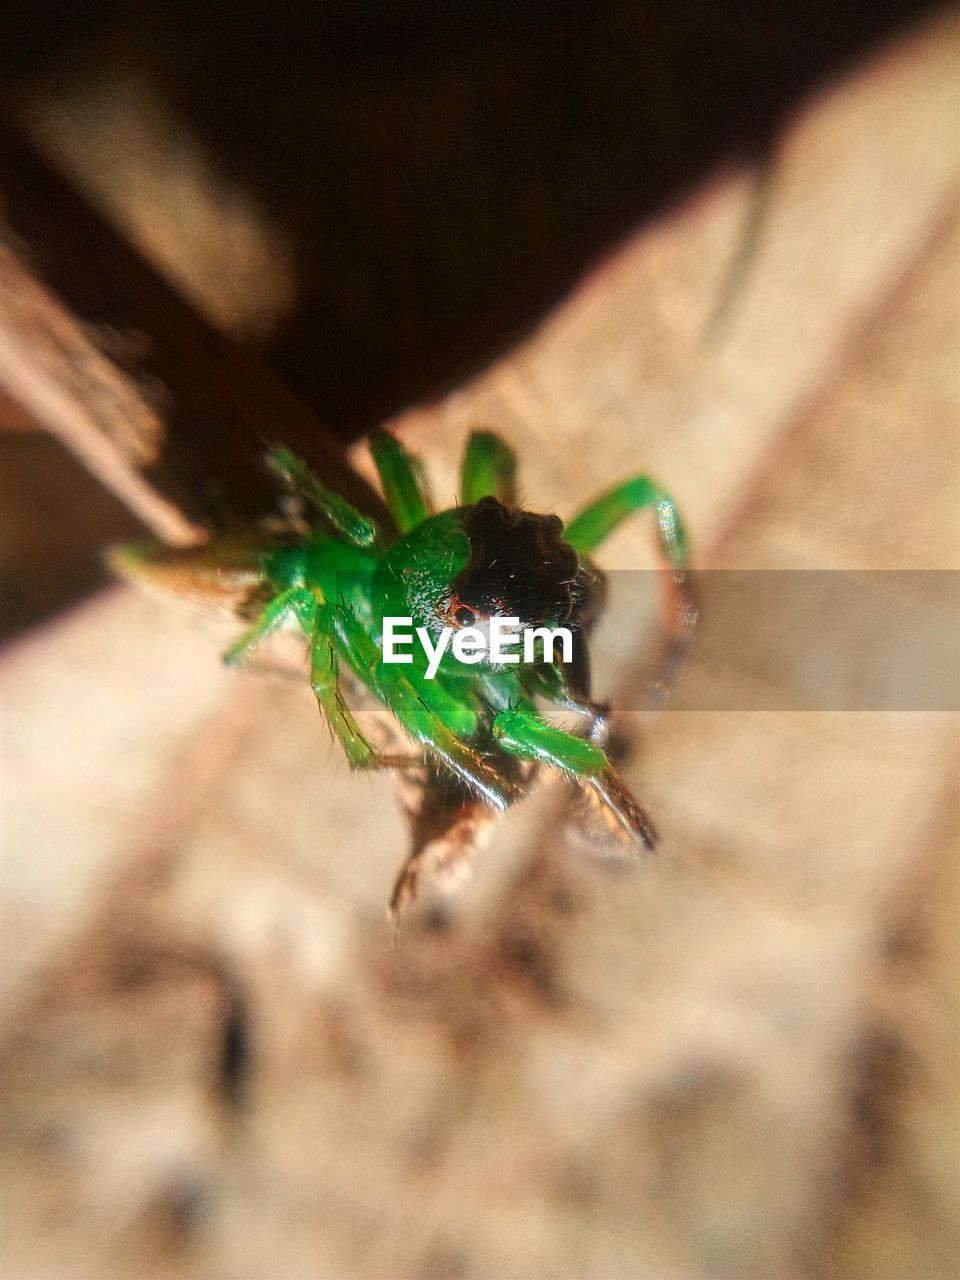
{"x":448,"y":170}
{"x":56,"y":520}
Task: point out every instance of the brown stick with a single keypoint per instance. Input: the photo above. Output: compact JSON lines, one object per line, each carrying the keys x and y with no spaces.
{"x":49,"y":367}
{"x":170,"y":414}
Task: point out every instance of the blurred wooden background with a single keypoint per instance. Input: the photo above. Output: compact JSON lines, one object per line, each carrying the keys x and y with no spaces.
{"x":738,"y":1059}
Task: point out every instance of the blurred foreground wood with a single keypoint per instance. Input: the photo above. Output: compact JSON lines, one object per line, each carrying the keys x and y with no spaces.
{"x":737,"y":1059}
{"x":96,"y":347}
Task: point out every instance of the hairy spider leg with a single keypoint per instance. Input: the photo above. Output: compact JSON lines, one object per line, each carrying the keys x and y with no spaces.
{"x":325,"y":682}
{"x":522,"y":733}
{"x":426,"y":711}
{"x":622,"y":803}
{"x":489,"y":470}
{"x":568,"y":686}
{"x":453,"y":702}
{"x":595,"y":522}
{"x":356,"y":529}
{"x":398,"y":472}
{"x":316,"y":619}
{"x":272,"y":617}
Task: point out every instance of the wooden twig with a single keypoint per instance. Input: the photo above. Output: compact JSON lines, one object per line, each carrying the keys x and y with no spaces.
{"x":50,"y":368}
{"x":96,"y":347}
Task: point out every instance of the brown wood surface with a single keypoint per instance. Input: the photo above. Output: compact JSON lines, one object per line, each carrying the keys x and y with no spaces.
{"x":739,"y":1058}
{"x":99,"y":348}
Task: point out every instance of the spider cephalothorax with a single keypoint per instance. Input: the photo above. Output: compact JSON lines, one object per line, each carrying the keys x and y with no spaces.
{"x":336,"y":576}
{"x":519,"y":565}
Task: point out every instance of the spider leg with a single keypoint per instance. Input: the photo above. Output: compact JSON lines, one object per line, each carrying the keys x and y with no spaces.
{"x":426,"y":711}
{"x":356,"y":529}
{"x":521,"y":732}
{"x":575,"y":690}
{"x":317,"y":621}
{"x":595,"y":522}
{"x":276,"y":612}
{"x":454,"y":707}
{"x":327,"y":647}
{"x":489,"y":469}
{"x":449,"y":825}
{"x":419,"y":717}
{"x":400,"y":475}
{"x":325,"y":681}
{"x":568,"y":685}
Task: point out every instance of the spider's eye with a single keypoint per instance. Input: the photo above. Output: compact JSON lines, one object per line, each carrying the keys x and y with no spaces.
{"x":464,"y":616}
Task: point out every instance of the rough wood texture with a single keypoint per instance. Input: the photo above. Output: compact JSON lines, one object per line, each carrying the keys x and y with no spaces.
{"x":50,"y":367}
{"x":100,"y":350}
{"x":738,"y":1059}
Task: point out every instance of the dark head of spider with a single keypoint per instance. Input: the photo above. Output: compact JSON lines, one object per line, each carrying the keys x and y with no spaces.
{"x":519,"y":566}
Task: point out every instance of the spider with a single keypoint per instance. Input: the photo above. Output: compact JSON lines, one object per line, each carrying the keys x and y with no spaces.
{"x":334,"y":574}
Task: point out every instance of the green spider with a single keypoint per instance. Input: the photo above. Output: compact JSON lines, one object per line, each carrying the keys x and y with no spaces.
{"x":335,"y":575}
